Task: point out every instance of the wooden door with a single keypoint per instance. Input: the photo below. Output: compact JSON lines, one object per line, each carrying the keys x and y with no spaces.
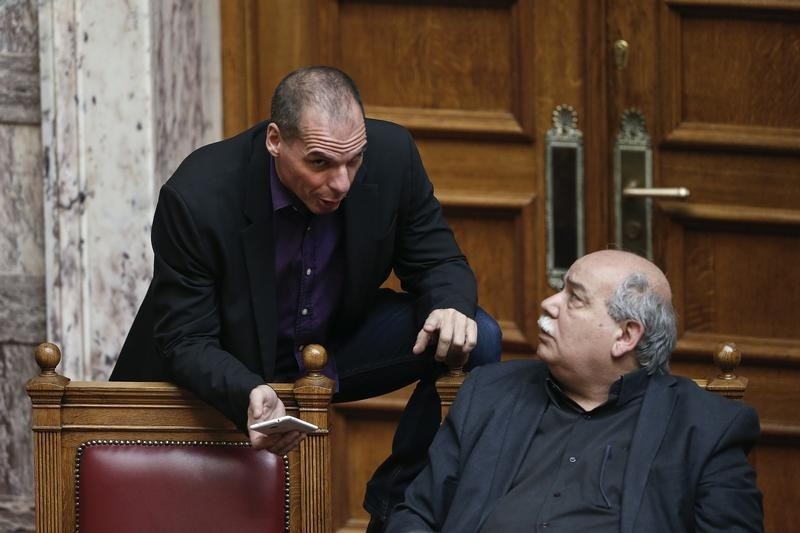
{"x":719,"y":85}
{"x":477,"y":81}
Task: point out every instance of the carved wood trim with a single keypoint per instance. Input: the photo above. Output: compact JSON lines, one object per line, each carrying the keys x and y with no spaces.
{"x":487,"y":200}
{"x":239,"y":79}
{"x":381,"y":404}
{"x":780,"y":434}
{"x":764,"y":351}
{"x":726,"y":136}
{"x":733,"y":214}
{"x":788,"y":5}
{"x":453,"y":122}
{"x":49,"y":487}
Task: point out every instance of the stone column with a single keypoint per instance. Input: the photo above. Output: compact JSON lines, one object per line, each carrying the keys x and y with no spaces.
{"x":22,"y":294}
{"x":128,"y":88}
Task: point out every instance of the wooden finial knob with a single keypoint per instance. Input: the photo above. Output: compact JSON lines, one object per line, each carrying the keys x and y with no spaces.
{"x":727,"y":358}
{"x":455,"y":362}
{"x":314,"y":357}
{"x":48,"y":355}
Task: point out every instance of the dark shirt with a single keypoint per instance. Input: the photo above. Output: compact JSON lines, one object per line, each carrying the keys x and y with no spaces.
{"x":309,"y":275}
{"x":571,"y":477}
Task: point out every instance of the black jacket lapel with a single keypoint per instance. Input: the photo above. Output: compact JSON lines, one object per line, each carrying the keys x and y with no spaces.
{"x":360,"y":246}
{"x":659,"y":401}
{"x":521,"y":426}
{"x":257,"y":241}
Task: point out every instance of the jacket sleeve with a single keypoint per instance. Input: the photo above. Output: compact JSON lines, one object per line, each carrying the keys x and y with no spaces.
{"x":429,"y":497}
{"x":427,"y":259}
{"x":186,"y":317}
{"x":727,"y":498}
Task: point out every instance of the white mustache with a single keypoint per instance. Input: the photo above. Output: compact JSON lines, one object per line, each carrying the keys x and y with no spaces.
{"x":546,"y":324}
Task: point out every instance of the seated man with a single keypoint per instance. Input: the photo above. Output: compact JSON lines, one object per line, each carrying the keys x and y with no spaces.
{"x":281,"y":236}
{"x":597,"y":436}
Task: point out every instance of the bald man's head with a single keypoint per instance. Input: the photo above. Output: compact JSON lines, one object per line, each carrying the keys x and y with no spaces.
{"x":620,"y":264}
{"x":639,"y":291}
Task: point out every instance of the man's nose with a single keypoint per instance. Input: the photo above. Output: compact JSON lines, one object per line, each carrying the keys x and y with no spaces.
{"x":339,"y":181}
{"x":550,"y":305}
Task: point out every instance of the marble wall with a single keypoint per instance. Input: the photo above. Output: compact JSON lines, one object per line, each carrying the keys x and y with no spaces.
{"x":128,"y":89}
{"x":99,"y":102}
{"x":22,"y":267}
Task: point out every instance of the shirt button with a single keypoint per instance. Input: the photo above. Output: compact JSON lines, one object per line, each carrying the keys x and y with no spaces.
{"x":300,"y":348}
{"x":308,"y":272}
{"x":545,"y":524}
{"x":304,"y":312}
{"x":587,"y":417}
{"x":308,"y":228}
{"x":556,"y":495}
{"x":571,"y":459}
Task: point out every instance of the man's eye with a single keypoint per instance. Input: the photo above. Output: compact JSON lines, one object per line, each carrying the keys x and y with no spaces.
{"x":318,"y":162}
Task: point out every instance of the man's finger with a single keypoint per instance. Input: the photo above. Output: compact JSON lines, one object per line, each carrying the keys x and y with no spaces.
{"x":472,"y":336}
{"x":459,"y":332}
{"x":289,"y":445}
{"x":284,"y":442}
{"x":445,"y":338}
{"x":433,"y":321}
{"x":423,"y":338}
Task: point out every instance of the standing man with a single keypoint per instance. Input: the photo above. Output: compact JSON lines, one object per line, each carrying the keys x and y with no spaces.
{"x":597,"y":436}
{"x":281,"y":236}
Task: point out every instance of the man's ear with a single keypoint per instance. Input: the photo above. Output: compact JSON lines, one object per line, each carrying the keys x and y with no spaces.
{"x":273,"y":139}
{"x":628,"y":337}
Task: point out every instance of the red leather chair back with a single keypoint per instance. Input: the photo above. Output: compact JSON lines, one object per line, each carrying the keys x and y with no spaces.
{"x":179,"y":487}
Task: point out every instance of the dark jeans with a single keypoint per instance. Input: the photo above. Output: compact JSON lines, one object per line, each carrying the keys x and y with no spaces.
{"x":377,"y":359}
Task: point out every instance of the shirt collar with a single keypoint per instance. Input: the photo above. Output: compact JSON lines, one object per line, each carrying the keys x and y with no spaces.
{"x":281,"y":196}
{"x":627,"y":388}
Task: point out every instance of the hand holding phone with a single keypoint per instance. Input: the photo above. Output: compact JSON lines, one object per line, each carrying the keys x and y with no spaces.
{"x":283,"y":424}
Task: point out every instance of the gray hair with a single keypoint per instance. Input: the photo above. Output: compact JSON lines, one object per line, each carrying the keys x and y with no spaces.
{"x":636,"y":300}
{"x":325,"y":88}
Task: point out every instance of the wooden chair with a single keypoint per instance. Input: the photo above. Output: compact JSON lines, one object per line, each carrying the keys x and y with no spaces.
{"x":110,"y":455}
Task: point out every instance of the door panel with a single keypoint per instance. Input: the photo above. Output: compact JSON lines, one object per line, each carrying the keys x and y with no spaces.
{"x":723,"y":106}
{"x":476,"y":82}
{"x":745,"y":97}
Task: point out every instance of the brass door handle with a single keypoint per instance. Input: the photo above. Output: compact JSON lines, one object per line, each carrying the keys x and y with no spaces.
{"x":656,"y":192}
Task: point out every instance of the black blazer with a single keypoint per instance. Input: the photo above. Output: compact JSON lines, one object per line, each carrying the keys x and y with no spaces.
{"x":208,"y":319}
{"x":687,"y":468}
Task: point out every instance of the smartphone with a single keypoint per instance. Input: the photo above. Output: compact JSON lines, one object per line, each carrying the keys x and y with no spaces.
{"x":283,"y":424}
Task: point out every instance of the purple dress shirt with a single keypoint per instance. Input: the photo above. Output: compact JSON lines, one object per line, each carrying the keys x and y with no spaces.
{"x":309,"y":276}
